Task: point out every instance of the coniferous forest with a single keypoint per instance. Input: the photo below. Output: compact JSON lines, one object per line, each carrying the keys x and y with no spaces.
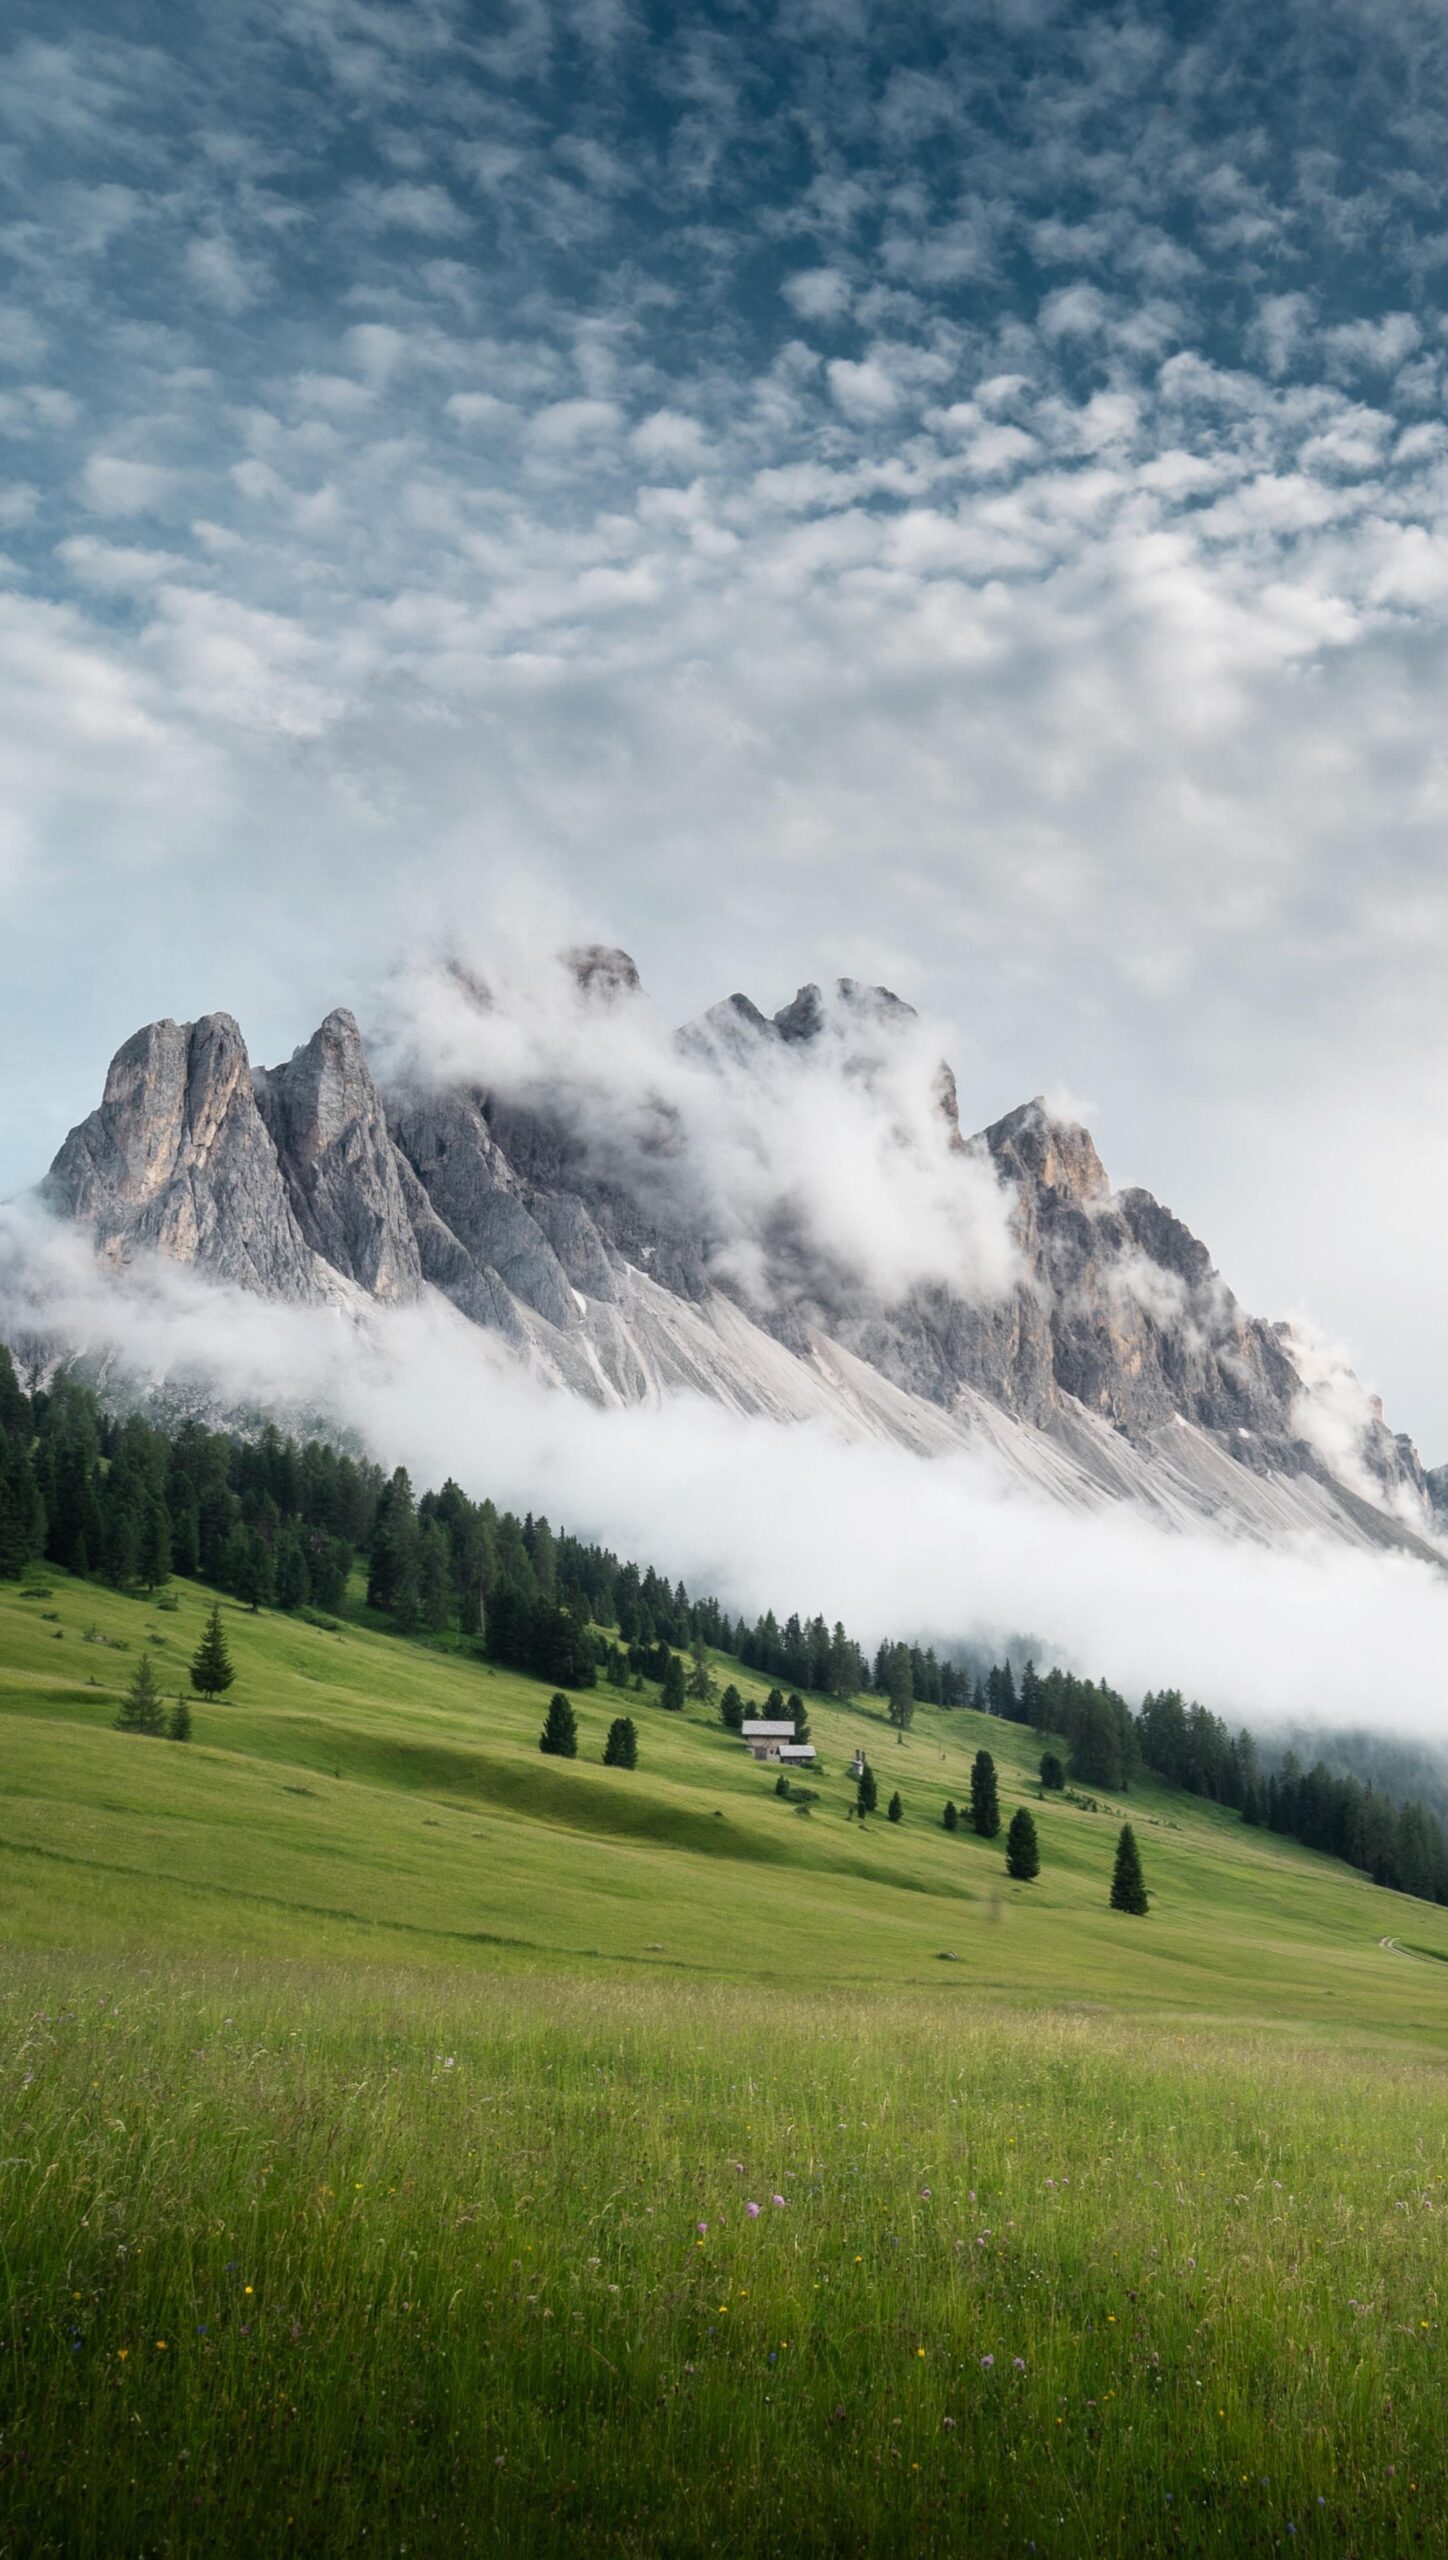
{"x":277,"y":1524}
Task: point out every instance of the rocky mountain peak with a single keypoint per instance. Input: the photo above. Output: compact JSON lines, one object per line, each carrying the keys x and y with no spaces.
{"x":1115,"y":1362}
{"x":327,"y":1124}
{"x":177,"y":1157}
{"x":1033,"y":1147}
{"x":603,"y":972}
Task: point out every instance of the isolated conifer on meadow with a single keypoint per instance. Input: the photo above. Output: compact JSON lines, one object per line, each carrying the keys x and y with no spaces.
{"x":141,"y":1709}
{"x":985,"y":1807}
{"x":731,"y":1709}
{"x":559,"y":1736}
{"x":1023,"y":1855}
{"x":895,"y":1811}
{"x":178,"y":1723}
{"x":621,"y":1750}
{"x":867,"y":1794}
{"x":211,"y":1668}
{"x":950,"y":1817}
{"x":1052,"y":1773}
{"x":1128,"y":1886}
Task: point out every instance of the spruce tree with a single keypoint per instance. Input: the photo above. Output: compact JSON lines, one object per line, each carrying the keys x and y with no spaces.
{"x":1023,"y":1855}
{"x":1128,"y":1886}
{"x":895,"y":1811}
{"x":1052,"y":1773}
{"x":701,"y":1683}
{"x":621,"y":1750}
{"x":794,"y":1707}
{"x":141,"y":1709}
{"x":950,"y":1818}
{"x":178,"y":1723}
{"x":731,"y":1709}
{"x":671,"y":1693}
{"x":781,"y":1784}
{"x":985,"y":1810}
{"x":901,"y":1688}
{"x":559,"y":1736}
{"x":211,"y":1668}
{"x":867,"y":1794}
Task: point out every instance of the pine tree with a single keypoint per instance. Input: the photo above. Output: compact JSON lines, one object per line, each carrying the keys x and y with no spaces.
{"x":1023,"y":1854}
{"x":621,"y":1750}
{"x":895,"y":1811}
{"x":1052,"y":1773}
{"x":211,"y":1667}
{"x":781,"y":1784}
{"x":701,"y":1683}
{"x":794,"y":1707}
{"x":985,"y":1810}
{"x":178,"y":1723}
{"x":671,"y":1692}
{"x":867,"y":1794}
{"x":950,"y":1818}
{"x":1128,"y":1887}
{"x":559,"y":1736}
{"x":141,"y":1709}
{"x":731,"y":1709}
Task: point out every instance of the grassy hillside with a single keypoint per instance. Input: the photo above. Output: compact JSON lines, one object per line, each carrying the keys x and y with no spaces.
{"x":356,"y":1796}
{"x":413,"y":2144}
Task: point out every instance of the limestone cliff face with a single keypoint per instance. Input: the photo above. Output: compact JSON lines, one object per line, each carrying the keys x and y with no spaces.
{"x":327,"y":1125}
{"x":178,"y":1157}
{"x":1117,"y":1363}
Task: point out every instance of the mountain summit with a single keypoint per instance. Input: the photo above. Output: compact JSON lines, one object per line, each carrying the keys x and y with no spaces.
{"x":1092,"y":1349}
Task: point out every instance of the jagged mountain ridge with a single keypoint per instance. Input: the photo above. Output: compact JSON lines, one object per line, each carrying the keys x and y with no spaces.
{"x":1117,"y":1366}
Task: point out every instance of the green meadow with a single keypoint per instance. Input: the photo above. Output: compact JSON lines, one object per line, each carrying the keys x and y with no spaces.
{"x":383,"y":2104}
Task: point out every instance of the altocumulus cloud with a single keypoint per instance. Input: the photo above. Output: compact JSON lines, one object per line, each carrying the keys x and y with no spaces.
{"x":951,"y":495}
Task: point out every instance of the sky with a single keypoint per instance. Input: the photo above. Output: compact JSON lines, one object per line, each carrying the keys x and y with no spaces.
{"x":950,"y":494}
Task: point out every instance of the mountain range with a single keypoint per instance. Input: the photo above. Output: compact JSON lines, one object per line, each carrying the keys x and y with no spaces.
{"x":1110,"y":1363}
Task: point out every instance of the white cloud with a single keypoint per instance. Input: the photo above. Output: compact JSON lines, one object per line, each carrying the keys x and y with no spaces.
{"x":219,"y":272}
{"x":818,"y":293}
{"x":865,"y":391}
{"x":113,"y":485}
{"x":410,"y":205}
{"x":767,"y":1515}
{"x":566,"y":424}
{"x":669,"y":441}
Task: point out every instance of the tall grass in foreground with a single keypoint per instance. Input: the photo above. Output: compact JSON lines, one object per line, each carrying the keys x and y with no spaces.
{"x":340,"y":2263}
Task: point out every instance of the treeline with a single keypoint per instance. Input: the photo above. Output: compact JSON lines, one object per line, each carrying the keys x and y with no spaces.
{"x":283,"y":1525}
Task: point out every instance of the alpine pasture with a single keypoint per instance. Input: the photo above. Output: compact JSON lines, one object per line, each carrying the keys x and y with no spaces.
{"x":414,"y":2142}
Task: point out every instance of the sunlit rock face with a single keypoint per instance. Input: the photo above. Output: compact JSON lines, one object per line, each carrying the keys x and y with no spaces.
{"x":1107,"y":1361}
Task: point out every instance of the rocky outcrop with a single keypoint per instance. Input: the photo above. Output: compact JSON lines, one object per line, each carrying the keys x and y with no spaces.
{"x":340,"y":1168}
{"x":1115,"y":1363}
{"x":179,"y":1158}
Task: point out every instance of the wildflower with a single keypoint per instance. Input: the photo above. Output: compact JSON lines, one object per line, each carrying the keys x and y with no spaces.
{"x":987,"y":2362}
{"x":701,"y":2228}
{"x":777,"y":2199}
{"x":753,"y":2212}
{"x":920,"y":2351}
{"x":947,"y":2423}
{"x":160,"y":2346}
{"x":1019,"y":2363}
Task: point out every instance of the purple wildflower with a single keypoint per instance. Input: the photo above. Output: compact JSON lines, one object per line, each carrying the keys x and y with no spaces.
{"x":753,"y":2212}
